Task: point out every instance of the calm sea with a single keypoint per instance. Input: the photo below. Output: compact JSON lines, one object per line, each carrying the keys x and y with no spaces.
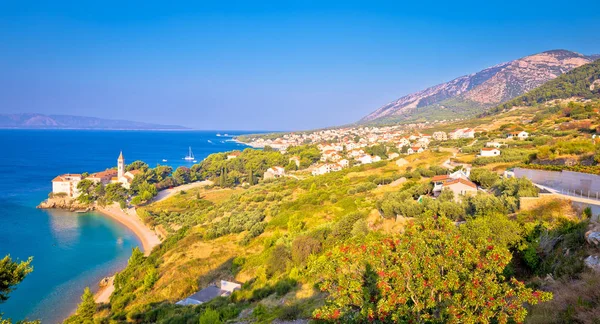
{"x":72,"y":251}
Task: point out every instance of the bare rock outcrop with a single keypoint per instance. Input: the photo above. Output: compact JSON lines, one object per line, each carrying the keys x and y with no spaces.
{"x":592,"y":236}
{"x":64,"y":203}
{"x":485,"y":88}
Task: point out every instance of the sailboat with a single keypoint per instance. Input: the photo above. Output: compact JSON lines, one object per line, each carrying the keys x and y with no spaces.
{"x":190,"y":156}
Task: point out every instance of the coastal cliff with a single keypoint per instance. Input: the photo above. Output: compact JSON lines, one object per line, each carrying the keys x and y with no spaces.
{"x":65,"y":203}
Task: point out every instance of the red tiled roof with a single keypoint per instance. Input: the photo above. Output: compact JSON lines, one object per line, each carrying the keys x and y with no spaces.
{"x":460,"y":180}
{"x":102,"y":174}
{"x":62,"y":177}
{"x":440,"y":177}
{"x":489,"y":149}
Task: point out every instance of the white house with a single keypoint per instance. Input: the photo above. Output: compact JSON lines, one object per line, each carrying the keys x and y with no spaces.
{"x":518,"y":135}
{"x":326,"y":168}
{"x":489,"y":151}
{"x":440,"y":136}
{"x":462,"y":133}
{"x":66,"y":184}
{"x":344,"y":163}
{"x":365,"y":159}
{"x":415,"y":149}
{"x":274,"y":172}
{"x":461,"y":187}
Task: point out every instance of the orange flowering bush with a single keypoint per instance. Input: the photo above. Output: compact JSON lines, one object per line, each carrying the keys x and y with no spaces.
{"x":428,"y":274}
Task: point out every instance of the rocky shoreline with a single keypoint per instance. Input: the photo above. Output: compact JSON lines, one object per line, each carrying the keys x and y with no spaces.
{"x":66,"y":204}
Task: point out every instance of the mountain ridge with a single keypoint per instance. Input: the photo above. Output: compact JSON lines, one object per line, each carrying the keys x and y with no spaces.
{"x":471,"y":94}
{"x":42,"y":121}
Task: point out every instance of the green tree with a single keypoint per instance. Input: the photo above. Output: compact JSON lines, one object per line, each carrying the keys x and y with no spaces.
{"x":429,"y":274}
{"x":484,"y":178}
{"x":251,"y":179}
{"x":210,"y":316}
{"x":137,"y":165}
{"x":182,"y":175}
{"x":86,"y":191}
{"x":87,"y":308}
{"x":11,"y":274}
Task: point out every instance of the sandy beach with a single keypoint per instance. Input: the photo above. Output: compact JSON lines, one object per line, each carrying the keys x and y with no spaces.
{"x":130,"y":219}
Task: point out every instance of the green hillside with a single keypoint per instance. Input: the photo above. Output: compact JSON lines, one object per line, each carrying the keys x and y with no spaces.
{"x":575,"y":83}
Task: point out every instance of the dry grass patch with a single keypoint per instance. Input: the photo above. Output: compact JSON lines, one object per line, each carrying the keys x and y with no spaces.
{"x":575,"y":301}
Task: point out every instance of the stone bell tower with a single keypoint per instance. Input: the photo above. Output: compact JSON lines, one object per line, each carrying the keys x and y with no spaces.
{"x":120,"y":166}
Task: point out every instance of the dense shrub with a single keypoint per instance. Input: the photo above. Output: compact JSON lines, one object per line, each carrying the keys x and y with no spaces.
{"x":278,"y":260}
{"x":303,"y":246}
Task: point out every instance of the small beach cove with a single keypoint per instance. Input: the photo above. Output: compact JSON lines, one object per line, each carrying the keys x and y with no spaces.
{"x":147,"y":237}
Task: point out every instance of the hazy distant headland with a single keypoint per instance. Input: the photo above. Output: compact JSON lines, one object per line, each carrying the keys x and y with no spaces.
{"x":41,"y":121}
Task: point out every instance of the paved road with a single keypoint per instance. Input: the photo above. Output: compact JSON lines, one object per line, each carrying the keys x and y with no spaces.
{"x":573,"y":197}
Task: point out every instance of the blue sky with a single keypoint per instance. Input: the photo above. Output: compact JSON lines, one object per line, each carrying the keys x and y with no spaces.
{"x":280,"y":65}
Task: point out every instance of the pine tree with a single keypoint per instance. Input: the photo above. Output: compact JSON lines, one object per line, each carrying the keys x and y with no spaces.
{"x":87,"y":308}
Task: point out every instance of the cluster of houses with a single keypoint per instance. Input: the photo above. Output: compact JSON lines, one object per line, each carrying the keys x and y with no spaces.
{"x":493,"y":148}
{"x":66,"y":184}
{"x":359,"y":136}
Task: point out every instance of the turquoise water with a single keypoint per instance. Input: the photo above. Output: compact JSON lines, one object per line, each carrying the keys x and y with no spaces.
{"x":70,"y":250}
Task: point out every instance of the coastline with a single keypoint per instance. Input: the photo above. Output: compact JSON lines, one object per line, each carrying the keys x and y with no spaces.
{"x":129,"y":218}
{"x":147,"y":237}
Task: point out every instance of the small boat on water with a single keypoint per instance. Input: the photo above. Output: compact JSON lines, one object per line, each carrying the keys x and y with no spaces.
{"x":218,"y":134}
{"x":194,"y":161}
{"x":190,"y":156}
{"x":164,"y":160}
{"x":209,"y":141}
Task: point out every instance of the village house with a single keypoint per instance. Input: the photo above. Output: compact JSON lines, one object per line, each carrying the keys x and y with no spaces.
{"x":440,"y":180}
{"x":356,"y":153}
{"x":233,"y":155}
{"x":324,"y":168}
{"x":403,"y":142}
{"x":274,"y":172}
{"x":462,"y":133}
{"x":440,"y":136}
{"x":414,"y":149}
{"x":367,"y":159}
{"x":518,"y":135}
{"x":460,"y":187}
{"x":489,"y":151}
{"x":66,"y":184}
{"x":344,"y":163}
{"x":330,"y":155}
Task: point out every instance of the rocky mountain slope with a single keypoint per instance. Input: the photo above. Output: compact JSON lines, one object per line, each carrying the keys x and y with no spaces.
{"x":472,"y":94}
{"x":40,"y":121}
